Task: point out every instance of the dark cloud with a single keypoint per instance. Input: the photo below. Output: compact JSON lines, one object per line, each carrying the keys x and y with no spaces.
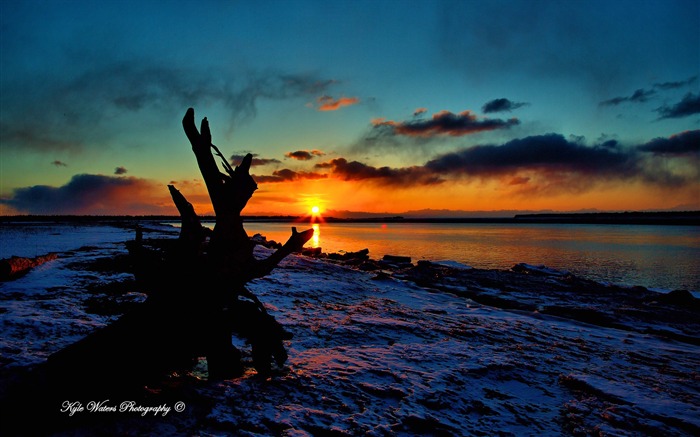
{"x":120,"y":170}
{"x":675,"y":85}
{"x":304,"y":155}
{"x":58,"y":163}
{"x":234,"y":160}
{"x":74,"y":110}
{"x":287,"y":175}
{"x":89,"y":194}
{"x":644,"y":95}
{"x":690,"y":105}
{"x":685,"y":143}
{"x":501,"y":105}
{"x":357,"y":171}
{"x":541,"y":163}
{"x":551,"y":151}
{"x":557,"y":164}
{"x":441,"y":124}
{"x":639,"y":96}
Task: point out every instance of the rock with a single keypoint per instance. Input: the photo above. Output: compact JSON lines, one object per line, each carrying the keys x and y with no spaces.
{"x":15,"y":266}
{"x":382,"y":275}
{"x":397,"y":259}
{"x":347,"y":256}
{"x":680,"y":298}
{"x":312,"y":251}
{"x":538,"y":270}
{"x":369,"y":266}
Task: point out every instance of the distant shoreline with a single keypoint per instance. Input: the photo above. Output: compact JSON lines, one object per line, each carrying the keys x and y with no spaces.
{"x":685,"y":218}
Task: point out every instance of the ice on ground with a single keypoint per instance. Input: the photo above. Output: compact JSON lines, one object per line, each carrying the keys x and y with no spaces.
{"x":453,"y":264}
{"x":389,"y":357}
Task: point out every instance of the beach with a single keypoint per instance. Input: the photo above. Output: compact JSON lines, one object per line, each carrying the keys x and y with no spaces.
{"x":382,"y":347}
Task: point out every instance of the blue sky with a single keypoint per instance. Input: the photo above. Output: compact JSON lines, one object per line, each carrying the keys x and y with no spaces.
{"x":95,"y":91}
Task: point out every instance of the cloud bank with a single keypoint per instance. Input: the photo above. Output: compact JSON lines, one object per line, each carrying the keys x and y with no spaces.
{"x":685,"y":143}
{"x":550,"y":152}
{"x":550,"y":160}
{"x":92,"y":194}
{"x":356,"y":171}
{"x":534,"y":165}
{"x":443,"y":123}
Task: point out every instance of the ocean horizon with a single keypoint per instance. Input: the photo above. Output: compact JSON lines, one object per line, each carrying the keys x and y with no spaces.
{"x":660,"y":257}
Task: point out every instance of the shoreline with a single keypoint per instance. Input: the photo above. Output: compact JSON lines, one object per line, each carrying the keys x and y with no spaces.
{"x":539,"y":350}
{"x":671,"y":218}
{"x":157,"y":225}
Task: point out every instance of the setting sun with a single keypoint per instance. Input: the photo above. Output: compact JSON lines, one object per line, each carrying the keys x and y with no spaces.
{"x":315,"y":210}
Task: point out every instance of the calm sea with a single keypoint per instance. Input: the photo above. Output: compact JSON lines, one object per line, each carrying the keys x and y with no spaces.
{"x":658,"y":257}
{"x":663,"y":257}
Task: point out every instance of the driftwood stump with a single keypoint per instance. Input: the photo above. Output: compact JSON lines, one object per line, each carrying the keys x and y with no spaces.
{"x":196,"y":299}
{"x":229,"y":261}
{"x":196,"y":287}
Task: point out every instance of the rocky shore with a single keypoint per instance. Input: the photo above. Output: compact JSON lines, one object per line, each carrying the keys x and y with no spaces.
{"x":384,"y":346}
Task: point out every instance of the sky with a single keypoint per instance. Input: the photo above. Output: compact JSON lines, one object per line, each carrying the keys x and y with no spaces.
{"x":353,"y":106}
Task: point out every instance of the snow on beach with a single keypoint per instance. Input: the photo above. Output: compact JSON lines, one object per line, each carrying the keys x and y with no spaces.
{"x":426,"y":350}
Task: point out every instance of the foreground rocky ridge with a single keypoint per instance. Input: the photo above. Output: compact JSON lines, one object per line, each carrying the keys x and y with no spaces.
{"x":385,"y":347}
{"x":540,"y":290}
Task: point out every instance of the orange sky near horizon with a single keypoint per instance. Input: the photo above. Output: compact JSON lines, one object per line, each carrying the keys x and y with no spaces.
{"x":338,"y":186}
{"x":334,"y":197}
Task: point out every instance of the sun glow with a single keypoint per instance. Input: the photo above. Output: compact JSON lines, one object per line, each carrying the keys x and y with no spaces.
{"x":315,"y":215}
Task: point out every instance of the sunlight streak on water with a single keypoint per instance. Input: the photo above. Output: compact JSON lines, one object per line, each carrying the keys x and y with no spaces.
{"x":317,"y":235}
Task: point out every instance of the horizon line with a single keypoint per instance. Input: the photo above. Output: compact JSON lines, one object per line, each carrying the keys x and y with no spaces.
{"x":689,"y":217}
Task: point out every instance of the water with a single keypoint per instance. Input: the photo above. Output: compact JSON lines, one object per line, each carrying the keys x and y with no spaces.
{"x":663,"y":257}
{"x":658,"y":257}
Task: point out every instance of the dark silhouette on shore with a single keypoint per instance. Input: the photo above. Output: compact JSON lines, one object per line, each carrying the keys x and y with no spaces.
{"x":196,"y":299}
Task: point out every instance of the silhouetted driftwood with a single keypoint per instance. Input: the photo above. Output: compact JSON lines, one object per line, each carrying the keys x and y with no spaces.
{"x":196,"y":299}
{"x":230,"y":261}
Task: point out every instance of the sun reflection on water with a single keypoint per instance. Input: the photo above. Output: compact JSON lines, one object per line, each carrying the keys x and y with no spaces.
{"x":315,"y":240}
